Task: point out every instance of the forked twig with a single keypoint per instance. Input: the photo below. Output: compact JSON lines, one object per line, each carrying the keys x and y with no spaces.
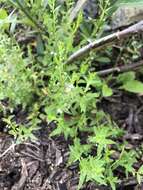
{"x":135,"y":28}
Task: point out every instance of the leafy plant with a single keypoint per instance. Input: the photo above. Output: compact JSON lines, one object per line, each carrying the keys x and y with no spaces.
{"x":78,"y":150}
{"x":92,"y":168}
{"x":20,"y":132}
{"x":100,"y":168}
{"x":15,"y":76}
{"x":126,"y":160}
{"x":68,"y":95}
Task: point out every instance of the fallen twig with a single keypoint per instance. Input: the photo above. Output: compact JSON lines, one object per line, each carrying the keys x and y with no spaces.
{"x":120,"y":69}
{"x":7,"y":150}
{"x":129,"y":182}
{"x":136,"y":28}
{"x":31,"y":145}
{"x":31,"y":155}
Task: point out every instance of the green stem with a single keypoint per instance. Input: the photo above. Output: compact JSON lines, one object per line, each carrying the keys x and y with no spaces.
{"x":37,"y":25}
{"x":101,"y":21}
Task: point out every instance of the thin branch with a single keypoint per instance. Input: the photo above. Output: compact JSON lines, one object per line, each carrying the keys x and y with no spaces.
{"x":120,"y":69}
{"x":31,"y":155}
{"x":136,"y":28}
{"x":7,"y":150}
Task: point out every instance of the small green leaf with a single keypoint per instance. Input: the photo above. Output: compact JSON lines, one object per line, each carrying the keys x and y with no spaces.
{"x":103,"y":59}
{"x":77,"y":150}
{"x":3,"y":17}
{"x":106,"y":91}
{"x":125,"y":77}
{"x":126,"y":160}
{"x":133,"y":86}
{"x":3,"y":14}
{"x":102,"y":137}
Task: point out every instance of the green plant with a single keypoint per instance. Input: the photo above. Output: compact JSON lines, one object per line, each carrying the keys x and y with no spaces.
{"x":21,"y":132}
{"x":15,"y":76}
{"x":92,"y":168}
{"x":67,"y":94}
{"x":101,"y":168}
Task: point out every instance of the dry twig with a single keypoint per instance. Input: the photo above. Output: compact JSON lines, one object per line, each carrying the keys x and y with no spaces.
{"x":7,"y":150}
{"x":136,"y":28}
{"x":121,"y":69}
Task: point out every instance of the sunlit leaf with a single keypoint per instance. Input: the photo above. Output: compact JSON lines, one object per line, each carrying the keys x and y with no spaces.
{"x":133,"y":86}
{"x":106,"y":91}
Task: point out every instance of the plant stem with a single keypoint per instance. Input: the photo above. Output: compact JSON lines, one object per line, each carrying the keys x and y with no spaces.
{"x":100,"y":43}
{"x":36,"y":24}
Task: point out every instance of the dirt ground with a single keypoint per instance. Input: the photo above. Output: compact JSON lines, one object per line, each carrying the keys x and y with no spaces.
{"x":42,"y":165}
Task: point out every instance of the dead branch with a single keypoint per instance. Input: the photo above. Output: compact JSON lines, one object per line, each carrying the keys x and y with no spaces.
{"x":135,"y":28}
{"x":7,"y":150}
{"x":120,"y":69}
{"x":31,"y":156}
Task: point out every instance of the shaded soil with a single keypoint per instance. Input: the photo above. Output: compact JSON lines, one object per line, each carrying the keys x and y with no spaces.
{"x":42,"y":165}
